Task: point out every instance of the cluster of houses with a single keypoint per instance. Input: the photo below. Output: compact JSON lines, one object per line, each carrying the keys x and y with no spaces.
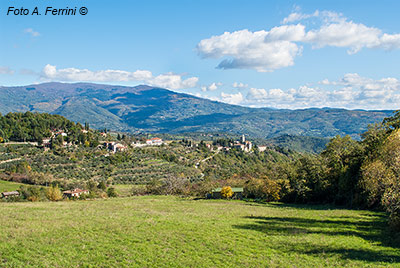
{"x":119,"y":147}
{"x":149,"y":142}
{"x":241,"y":144}
{"x":54,"y":134}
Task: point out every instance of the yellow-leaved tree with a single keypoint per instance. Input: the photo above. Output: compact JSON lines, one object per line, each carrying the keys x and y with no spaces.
{"x":53,"y":193}
{"x":226,"y":192}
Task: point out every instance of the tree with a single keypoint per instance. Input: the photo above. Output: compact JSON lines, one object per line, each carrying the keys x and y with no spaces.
{"x":53,"y":193}
{"x":102,"y":186}
{"x":343,"y":157}
{"x":226,"y":192}
{"x":381,"y":177}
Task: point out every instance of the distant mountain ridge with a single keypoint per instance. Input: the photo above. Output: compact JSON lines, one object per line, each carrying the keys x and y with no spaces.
{"x":151,"y":109}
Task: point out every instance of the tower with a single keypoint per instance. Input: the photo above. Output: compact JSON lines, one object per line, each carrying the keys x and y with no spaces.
{"x":243,"y":139}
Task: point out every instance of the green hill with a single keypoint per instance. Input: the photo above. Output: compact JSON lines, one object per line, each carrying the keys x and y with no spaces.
{"x":149,"y":109}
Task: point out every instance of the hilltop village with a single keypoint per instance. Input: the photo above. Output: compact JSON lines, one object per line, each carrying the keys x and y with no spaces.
{"x":116,"y":142}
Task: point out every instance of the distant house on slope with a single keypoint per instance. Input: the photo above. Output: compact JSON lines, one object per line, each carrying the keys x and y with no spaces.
{"x":9,"y":194}
{"x":75,"y":193}
{"x":154,"y":141}
{"x":262,"y":148}
{"x":115,"y":147}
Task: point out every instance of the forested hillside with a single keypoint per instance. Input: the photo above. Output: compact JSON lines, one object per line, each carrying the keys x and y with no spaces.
{"x":149,"y":109}
{"x":34,"y":127}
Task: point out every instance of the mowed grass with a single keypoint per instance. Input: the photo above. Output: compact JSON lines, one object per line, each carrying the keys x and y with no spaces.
{"x":151,"y":231}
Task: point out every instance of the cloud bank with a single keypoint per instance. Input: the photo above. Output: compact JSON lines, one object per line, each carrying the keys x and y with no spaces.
{"x":168,"y":80}
{"x":352,"y":91}
{"x":269,"y":50}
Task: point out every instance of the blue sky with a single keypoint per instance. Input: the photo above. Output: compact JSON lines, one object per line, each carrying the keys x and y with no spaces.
{"x":282,"y":54}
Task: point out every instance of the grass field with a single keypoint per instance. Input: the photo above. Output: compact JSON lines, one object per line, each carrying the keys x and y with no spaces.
{"x":7,"y":186}
{"x":124,"y":190}
{"x":172,"y":232}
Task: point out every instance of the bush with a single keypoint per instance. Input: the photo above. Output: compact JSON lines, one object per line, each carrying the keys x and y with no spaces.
{"x":32,"y":193}
{"x":265,"y":188}
{"x":136,"y":190}
{"x":271,"y":190}
{"x":226,"y":192}
{"x":391,"y":201}
{"x":102,"y":186}
{"x":53,"y":193}
{"x":111,"y":192}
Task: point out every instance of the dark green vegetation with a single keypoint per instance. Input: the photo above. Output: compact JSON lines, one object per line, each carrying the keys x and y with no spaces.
{"x":173,"y":232}
{"x":348,"y":172}
{"x":34,"y":127}
{"x":300,"y":143}
{"x":149,"y":109}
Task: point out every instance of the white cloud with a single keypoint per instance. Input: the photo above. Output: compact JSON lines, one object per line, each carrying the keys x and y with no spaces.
{"x":211,"y":87}
{"x":248,"y":50}
{"x":239,"y":85}
{"x":31,"y":32}
{"x":297,"y":16}
{"x":345,"y":34}
{"x":326,"y":16}
{"x":6,"y":70}
{"x":270,"y":98}
{"x":172,"y":81}
{"x":277,"y":48}
{"x":286,"y":33}
{"x":232,"y":98}
{"x":169,"y":80}
{"x":352,"y":91}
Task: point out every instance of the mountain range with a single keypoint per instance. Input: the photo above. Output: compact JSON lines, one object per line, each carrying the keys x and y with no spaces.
{"x":152,"y":109}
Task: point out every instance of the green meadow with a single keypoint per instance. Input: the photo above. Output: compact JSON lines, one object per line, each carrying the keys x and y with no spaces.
{"x":160,"y":231}
{"x":8,"y":186}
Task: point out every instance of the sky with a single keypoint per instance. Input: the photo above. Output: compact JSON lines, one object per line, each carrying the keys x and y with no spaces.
{"x":278,"y":54}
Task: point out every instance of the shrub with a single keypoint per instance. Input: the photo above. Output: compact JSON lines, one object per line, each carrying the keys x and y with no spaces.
{"x":111,"y":192}
{"x":32,"y":193}
{"x":137,"y":190}
{"x":264,"y":188}
{"x":173,"y":185}
{"x":226,"y":192}
{"x":391,"y":201}
{"x":102,"y":186}
{"x":53,"y":193}
{"x":271,"y":190}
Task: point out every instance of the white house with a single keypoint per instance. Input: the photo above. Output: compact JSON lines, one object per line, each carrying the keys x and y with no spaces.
{"x":154,"y":141}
